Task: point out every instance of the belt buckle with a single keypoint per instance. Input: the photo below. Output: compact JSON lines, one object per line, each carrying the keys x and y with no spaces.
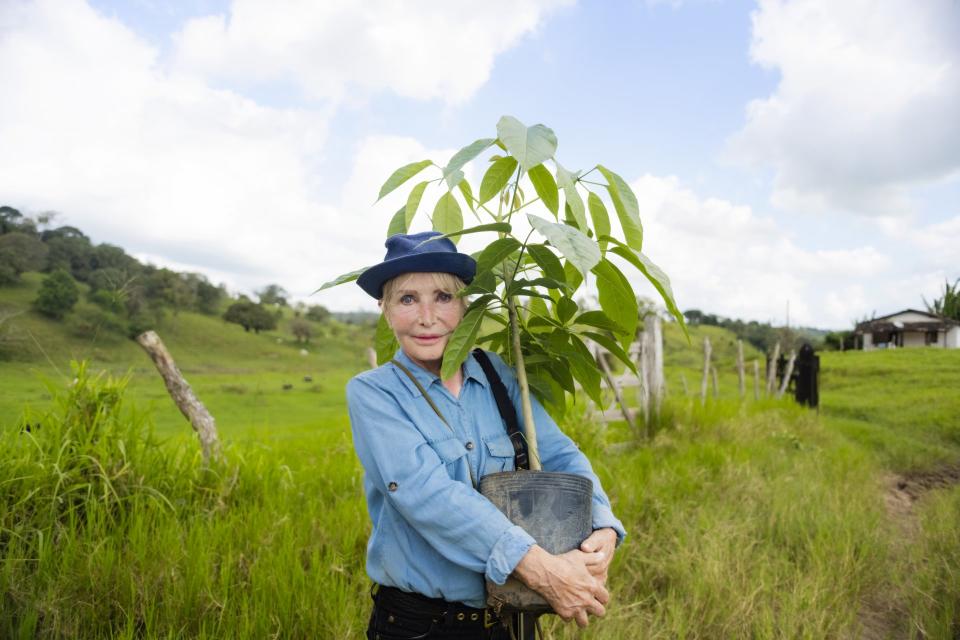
{"x":488,"y":619}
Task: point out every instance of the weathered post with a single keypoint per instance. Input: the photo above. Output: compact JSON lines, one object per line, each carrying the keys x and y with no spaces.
{"x":716,"y":385}
{"x":653,"y":364}
{"x":183,"y":395}
{"x":372,"y":357}
{"x":612,"y":383}
{"x":706,"y":371}
{"x":740,"y":375}
{"x":772,"y":368}
{"x":787,"y":373}
{"x":756,"y":379}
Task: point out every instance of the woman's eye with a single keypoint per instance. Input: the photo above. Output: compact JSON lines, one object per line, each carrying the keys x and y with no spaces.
{"x":443,"y":296}
{"x":406,"y":299}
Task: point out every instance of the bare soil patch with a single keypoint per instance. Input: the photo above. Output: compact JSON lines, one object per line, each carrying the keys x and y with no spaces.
{"x":884,"y":616}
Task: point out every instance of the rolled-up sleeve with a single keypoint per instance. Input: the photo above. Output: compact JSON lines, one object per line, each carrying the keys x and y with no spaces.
{"x":400,"y":463}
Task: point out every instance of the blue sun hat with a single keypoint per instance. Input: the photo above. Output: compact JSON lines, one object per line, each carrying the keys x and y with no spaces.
{"x":411,"y":253}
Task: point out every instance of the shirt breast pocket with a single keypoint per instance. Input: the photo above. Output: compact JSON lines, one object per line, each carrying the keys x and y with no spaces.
{"x":499,"y":454}
{"x":451,"y":451}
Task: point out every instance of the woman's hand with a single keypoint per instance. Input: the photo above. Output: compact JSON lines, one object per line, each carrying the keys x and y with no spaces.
{"x":599,"y":548}
{"x":565,"y":582}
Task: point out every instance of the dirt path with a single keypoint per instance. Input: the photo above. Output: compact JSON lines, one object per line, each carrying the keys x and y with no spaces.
{"x":884,"y":616}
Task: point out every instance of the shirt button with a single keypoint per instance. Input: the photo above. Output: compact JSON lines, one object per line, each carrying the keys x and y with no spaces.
{"x":469,"y":446}
{"x":392,"y":486}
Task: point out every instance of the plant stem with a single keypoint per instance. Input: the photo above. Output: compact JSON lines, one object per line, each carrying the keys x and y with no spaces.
{"x":529,"y":428}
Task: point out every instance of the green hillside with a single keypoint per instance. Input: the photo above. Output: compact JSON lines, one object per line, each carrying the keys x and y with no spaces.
{"x":238,"y":375}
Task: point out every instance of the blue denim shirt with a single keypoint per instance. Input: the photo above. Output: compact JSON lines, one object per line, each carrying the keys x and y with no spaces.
{"x":433,"y":533}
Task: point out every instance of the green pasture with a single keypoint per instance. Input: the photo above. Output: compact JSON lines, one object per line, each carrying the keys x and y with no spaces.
{"x":747,"y":519}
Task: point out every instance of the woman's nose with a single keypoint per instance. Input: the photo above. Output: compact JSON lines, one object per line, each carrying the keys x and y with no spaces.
{"x":427,"y":313}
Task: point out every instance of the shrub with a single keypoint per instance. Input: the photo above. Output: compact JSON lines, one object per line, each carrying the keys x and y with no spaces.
{"x":58,"y":294}
{"x":93,"y":322}
{"x":250,"y":316}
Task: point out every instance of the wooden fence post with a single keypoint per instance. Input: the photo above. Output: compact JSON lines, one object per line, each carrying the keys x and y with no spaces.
{"x":706,"y":371}
{"x":183,"y":395}
{"x":652,"y":357}
{"x":787,"y":374}
{"x":716,"y":385}
{"x":756,"y":379}
{"x":772,"y":368}
{"x":601,"y":358}
{"x":743,"y":385}
{"x":371,"y":357}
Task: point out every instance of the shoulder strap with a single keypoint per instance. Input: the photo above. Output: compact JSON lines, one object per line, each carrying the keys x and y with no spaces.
{"x":507,"y":411}
{"x":423,"y":391}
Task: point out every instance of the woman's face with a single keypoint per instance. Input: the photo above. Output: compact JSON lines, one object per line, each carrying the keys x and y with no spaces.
{"x":423,"y":315}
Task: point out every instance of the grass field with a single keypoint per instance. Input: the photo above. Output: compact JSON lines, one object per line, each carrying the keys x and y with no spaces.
{"x":746,"y":519}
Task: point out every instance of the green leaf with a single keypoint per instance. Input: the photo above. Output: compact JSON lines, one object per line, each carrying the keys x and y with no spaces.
{"x":546,"y":188}
{"x":548,"y":262}
{"x":398,"y":223}
{"x":625,"y":202}
{"x":529,"y":145}
{"x":413,"y":203}
{"x":568,"y":182}
{"x":467,"y":191}
{"x":485,"y":282}
{"x":573,"y":276}
{"x":611,"y":345}
{"x":657,"y":277}
{"x":500,"y":227}
{"x":617,"y":298}
{"x":584,"y":369}
{"x":447,"y":217}
{"x":462,"y":157}
{"x":538,"y":308}
{"x":496,"y":252}
{"x":572,"y":243}
{"x":598,"y":319}
{"x":461,"y":342}
{"x":522,"y":283}
{"x":347,"y":277}
{"x":601,"y":220}
{"x":385,"y":341}
{"x":401,"y":175}
{"x":566,"y":308}
{"x":497,"y":177}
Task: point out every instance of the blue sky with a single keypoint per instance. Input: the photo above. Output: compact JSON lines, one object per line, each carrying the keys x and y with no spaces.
{"x":804,"y":150}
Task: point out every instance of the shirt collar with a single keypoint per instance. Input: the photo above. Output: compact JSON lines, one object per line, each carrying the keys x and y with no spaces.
{"x":471,"y":370}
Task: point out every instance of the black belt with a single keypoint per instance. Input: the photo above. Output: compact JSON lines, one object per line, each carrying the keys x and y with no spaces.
{"x":441,"y":611}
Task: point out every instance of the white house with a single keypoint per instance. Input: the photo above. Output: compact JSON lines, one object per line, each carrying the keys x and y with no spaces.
{"x":908,"y":328}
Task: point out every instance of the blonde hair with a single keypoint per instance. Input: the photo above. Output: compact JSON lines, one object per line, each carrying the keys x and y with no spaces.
{"x":444,"y":281}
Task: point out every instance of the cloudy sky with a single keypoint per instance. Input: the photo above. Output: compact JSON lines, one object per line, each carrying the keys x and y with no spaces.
{"x":801,"y":152}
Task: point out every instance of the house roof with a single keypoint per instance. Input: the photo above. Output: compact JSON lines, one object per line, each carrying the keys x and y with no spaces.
{"x":885,"y":323}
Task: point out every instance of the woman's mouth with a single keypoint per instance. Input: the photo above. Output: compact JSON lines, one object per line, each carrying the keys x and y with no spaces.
{"x":427,"y":339}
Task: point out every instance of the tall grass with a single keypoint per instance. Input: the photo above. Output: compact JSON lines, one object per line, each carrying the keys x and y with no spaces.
{"x":745,"y":519}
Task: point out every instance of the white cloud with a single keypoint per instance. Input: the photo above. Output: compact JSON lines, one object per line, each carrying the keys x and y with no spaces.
{"x":723,"y":258}
{"x":154,"y":160}
{"x":418,"y":49}
{"x":866,"y":106}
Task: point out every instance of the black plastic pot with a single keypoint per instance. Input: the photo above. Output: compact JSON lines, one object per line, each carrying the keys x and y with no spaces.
{"x":554,"y":508}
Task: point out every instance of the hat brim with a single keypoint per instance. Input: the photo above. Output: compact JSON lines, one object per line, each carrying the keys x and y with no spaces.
{"x":458,"y":264}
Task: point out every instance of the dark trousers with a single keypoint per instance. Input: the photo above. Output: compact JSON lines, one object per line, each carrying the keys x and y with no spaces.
{"x":398,"y":615}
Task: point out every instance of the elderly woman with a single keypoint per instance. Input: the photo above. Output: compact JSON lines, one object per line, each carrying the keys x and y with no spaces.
{"x":424,"y":441}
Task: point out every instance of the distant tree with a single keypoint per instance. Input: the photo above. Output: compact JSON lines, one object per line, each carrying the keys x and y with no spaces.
{"x":301,"y":329}
{"x":70,"y":249}
{"x":250,"y":316}
{"x":57,"y":295}
{"x":948,"y":304}
{"x":317,"y":313}
{"x":208,"y":296}
{"x":838,"y":340}
{"x":20,"y":252}
{"x":10,"y":220}
{"x":693,"y":316}
{"x":273,"y":294}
